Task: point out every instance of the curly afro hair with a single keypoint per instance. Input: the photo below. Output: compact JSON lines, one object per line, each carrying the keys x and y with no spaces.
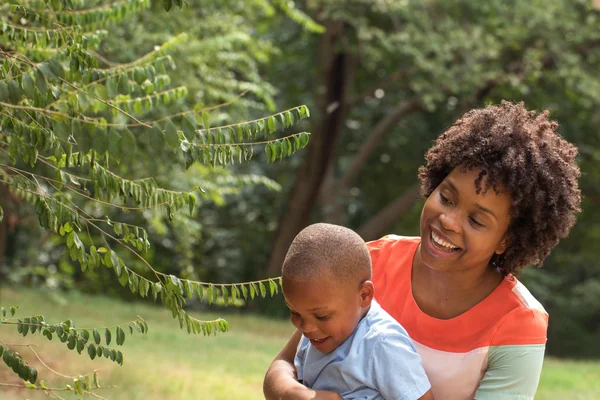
{"x":521,"y":151}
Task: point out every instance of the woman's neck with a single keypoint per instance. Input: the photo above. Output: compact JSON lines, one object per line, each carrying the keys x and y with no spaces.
{"x":447,"y":294}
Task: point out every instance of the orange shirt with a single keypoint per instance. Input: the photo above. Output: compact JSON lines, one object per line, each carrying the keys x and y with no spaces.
{"x":459,"y":353}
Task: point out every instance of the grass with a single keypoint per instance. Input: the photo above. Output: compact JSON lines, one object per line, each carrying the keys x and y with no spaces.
{"x":167,"y":363}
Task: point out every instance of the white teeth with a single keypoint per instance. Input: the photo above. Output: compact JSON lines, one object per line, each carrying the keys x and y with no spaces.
{"x":442,"y":242}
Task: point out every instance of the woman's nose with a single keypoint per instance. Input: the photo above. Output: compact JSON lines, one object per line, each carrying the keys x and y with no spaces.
{"x":450,"y":222}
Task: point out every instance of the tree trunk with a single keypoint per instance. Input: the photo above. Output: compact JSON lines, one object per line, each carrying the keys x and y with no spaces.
{"x":336,"y":68}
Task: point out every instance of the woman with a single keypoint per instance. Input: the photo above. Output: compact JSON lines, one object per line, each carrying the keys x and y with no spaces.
{"x":501,"y":191}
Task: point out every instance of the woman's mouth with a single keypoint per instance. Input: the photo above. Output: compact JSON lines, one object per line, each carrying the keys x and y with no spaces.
{"x":441,"y":244}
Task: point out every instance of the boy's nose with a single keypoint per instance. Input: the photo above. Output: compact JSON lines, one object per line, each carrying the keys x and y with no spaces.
{"x":307,"y":328}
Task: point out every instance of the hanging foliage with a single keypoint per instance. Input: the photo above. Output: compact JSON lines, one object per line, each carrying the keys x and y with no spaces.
{"x":66,"y":123}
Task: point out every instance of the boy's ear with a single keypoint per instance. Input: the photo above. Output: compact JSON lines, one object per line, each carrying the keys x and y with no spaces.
{"x":367,"y":291}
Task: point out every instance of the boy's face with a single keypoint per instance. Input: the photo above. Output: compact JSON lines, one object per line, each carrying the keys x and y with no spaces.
{"x":326,"y":312}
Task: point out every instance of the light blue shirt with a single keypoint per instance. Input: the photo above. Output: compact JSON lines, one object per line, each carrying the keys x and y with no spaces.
{"x":378,"y":361}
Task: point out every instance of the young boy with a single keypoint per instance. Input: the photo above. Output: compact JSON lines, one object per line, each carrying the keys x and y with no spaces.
{"x":349,"y":344}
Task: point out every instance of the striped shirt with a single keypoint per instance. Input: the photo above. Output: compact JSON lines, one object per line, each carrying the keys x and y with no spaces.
{"x":494,"y":351}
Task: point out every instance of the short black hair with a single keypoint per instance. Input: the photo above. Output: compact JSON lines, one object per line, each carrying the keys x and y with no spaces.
{"x":328,"y":251}
{"x":522,"y":151}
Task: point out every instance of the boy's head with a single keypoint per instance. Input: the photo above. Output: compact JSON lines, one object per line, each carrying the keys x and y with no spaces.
{"x":326,"y":283}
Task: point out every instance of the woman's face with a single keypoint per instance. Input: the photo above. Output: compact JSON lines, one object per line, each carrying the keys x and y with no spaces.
{"x":460,"y":229}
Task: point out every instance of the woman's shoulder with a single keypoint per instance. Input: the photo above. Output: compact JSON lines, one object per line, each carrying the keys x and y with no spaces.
{"x":393,"y":243}
{"x":525,"y":320}
{"x":392,"y":254}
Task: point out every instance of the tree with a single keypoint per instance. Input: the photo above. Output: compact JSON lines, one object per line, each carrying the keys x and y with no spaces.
{"x":415,"y":68}
{"x":70,"y":133}
{"x":408,"y":69}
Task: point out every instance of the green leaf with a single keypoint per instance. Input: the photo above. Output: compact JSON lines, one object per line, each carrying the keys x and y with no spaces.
{"x":57,"y":68}
{"x":4,"y":95}
{"x":263,"y":290}
{"x":139,"y":75}
{"x":92,"y":350}
{"x":97,"y":338}
{"x":127,"y":142}
{"x":124,"y":87}
{"x":114,"y":258}
{"x":72,"y":341}
{"x":167,"y":4}
{"x":40,"y":82}
{"x":14,"y":91}
{"x":273,"y":287}
{"x":304,"y":112}
{"x":80,"y":345}
{"x":100,"y":140}
{"x":225,"y":294}
{"x":111,"y":87}
{"x":272,"y":125}
{"x":188,"y":123}
{"x":171,"y":134}
{"x":120,"y":336}
{"x":46,"y":70}
{"x":107,"y":336}
{"x":157,"y":139}
{"x":28,"y":86}
{"x":133,"y":283}
{"x":156,"y":288}
{"x":269,"y":152}
{"x":206,"y":120}
{"x":144,"y":286}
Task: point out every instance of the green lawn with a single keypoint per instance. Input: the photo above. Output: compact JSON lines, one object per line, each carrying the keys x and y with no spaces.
{"x":167,"y":363}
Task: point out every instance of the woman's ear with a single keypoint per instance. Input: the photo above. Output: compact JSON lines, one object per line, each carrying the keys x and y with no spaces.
{"x":503,"y":244}
{"x":367,"y":291}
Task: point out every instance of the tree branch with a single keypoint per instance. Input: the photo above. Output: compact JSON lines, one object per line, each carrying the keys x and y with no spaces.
{"x":379,"y":224}
{"x":374,"y":138}
{"x":386,"y":83}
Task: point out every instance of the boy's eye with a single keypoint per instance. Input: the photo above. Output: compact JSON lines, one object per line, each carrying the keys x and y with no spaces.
{"x":322,"y":317}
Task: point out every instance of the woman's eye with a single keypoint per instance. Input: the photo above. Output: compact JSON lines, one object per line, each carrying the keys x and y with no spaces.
{"x":444,"y":199}
{"x":475,"y":222}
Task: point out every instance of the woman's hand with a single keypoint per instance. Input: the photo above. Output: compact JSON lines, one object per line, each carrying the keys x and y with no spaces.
{"x":281,"y":382}
{"x":325,"y":395}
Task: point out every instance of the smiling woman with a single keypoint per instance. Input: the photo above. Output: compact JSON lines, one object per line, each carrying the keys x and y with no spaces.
{"x":501,"y":191}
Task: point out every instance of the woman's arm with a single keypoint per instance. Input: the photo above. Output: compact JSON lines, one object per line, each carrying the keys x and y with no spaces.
{"x":281,"y":382}
{"x":513,"y":373}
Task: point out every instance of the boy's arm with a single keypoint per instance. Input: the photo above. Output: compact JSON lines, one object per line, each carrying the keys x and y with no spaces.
{"x":281,"y":382}
{"x":397,"y":370}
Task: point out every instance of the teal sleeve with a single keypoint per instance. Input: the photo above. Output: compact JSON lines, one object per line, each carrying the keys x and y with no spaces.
{"x":513,"y":373}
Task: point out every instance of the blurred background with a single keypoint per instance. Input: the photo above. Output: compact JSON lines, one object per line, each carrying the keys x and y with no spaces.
{"x":382,"y":79}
